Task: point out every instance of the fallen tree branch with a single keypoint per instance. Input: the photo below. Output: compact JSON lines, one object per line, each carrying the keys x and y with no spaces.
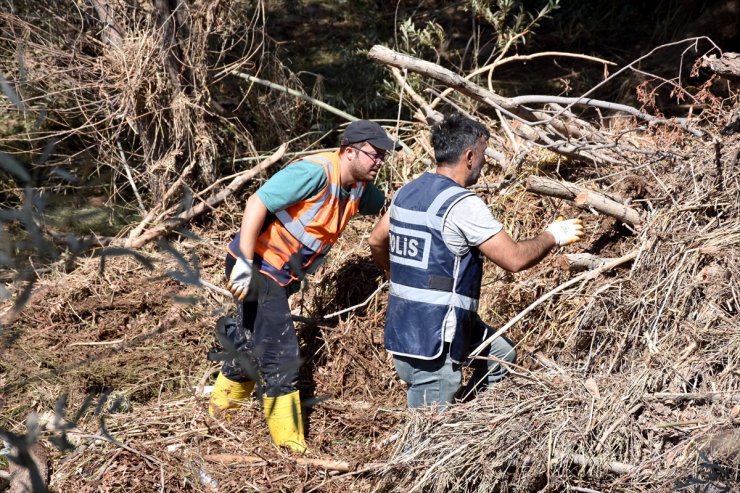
{"x":502,"y":61}
{"x":605,"y":205}
{"x":581,"y":261}
{"x":609,"y":465}
{"x":693,"y":396}
{"x":182,"y":218}
{"x":596,"y":103}
{"x":432,"y":116}
{"x":552,"y":188}
{"x":329,"y":465}
{"x":298,"y":94}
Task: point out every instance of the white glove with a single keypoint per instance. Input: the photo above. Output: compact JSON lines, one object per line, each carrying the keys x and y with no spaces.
{"x":566,"y":232}
{"x":241,"y":276}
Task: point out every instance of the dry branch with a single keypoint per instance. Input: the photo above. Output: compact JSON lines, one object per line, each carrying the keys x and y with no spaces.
{"x":583,"y":277}
{"x":553,"y":188}
{"x":605,"y":205}
{"x":694,"y":396}
{"x":581,"y":261}
{"x":432,"y":116}
{"x":556,"y":133}
{"x":389,"y":57}
{"x":585,"y":461}
{"x":182,"y":218}
{"x":329,"y":465}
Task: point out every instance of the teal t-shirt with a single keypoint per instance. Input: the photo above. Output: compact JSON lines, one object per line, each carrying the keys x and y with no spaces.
{"x":304,"y":179}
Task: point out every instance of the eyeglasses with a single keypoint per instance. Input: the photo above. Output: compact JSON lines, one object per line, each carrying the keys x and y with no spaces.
{"x":375,"y":157}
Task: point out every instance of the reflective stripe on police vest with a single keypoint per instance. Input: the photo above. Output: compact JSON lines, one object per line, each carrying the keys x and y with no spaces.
{"x":443,"y":197}
{"x":433,"y":297}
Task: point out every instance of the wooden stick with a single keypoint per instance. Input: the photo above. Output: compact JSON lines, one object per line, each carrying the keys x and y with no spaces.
{"x":577,"y":262}
{"x":235,"y":185}
{"x":330,"y":465}
{"x":585,"y":461}
{"x":553,"y":188}
{"x":605,"y":205}
{"x":298,"y":94}
{"x":694,"y":396}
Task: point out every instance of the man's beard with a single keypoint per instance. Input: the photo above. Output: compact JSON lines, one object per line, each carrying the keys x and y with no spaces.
{"x":473,"y":178}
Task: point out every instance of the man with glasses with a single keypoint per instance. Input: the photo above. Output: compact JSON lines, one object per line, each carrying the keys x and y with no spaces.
{"x":432,"y":241}
{"x":289,"y":225}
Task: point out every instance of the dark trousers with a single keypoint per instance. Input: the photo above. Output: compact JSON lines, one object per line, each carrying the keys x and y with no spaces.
{"x":264,"y":338}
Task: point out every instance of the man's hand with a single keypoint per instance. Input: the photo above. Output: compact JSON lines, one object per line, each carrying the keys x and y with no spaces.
{"x":241,"y":277}
{"x":566,"y":232}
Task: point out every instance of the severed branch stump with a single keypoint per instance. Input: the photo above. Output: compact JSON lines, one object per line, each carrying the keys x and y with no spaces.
{"x":581,"y":261}
{"x":605,"y":205}
{"x":584,"y":198}
{"x":553,"y":188}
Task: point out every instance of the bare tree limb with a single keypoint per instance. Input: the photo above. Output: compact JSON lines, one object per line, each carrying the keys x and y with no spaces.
{"x":581,"y":261}
{"x":605,"y":205}
{"x":596,"y":103}
{"x":552,"y":188}
{"x":182,"y":218}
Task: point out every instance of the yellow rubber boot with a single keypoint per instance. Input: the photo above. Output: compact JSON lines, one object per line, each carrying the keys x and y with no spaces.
{"x":285,"y":421}
{"x":228,"y":394}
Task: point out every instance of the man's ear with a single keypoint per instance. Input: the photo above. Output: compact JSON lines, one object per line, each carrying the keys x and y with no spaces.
{"x":469,"y":158}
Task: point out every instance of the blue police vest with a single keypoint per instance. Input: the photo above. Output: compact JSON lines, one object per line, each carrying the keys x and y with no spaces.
{"x":427,"y":279}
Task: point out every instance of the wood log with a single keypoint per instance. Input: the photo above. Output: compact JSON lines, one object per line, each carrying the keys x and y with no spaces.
{"x":726,"y":65}
{"x":605,"y":205}
{"x":581,"y":261}
{"x":553,"y":188}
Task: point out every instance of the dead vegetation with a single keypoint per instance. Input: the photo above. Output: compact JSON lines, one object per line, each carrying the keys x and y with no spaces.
{"x":628,"y":373}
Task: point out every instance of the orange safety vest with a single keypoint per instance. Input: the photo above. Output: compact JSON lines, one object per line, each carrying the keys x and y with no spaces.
{"x":308,"y":229}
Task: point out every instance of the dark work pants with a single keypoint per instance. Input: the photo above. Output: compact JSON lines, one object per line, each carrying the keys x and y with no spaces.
{"x":264,"y":338}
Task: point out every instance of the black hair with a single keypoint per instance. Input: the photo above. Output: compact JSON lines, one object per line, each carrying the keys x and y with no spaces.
{"x":454,"y":135}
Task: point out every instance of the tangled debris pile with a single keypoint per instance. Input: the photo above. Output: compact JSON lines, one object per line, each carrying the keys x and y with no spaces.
{"x":626,"y":380}
{"x":627,"y":375}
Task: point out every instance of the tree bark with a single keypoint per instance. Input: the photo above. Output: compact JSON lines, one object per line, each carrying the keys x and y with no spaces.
{"x":553,"y":188}
{"x":605,"y":205}
{"x":581,"y":261}
{"x":726,"y":65}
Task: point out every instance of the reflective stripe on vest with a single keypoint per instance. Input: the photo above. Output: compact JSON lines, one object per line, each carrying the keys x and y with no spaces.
{"x":433,"y":297}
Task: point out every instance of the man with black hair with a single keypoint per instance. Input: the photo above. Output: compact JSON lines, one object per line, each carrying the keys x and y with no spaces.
{"x":288,"y":226}
{"x":432,"y":241}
